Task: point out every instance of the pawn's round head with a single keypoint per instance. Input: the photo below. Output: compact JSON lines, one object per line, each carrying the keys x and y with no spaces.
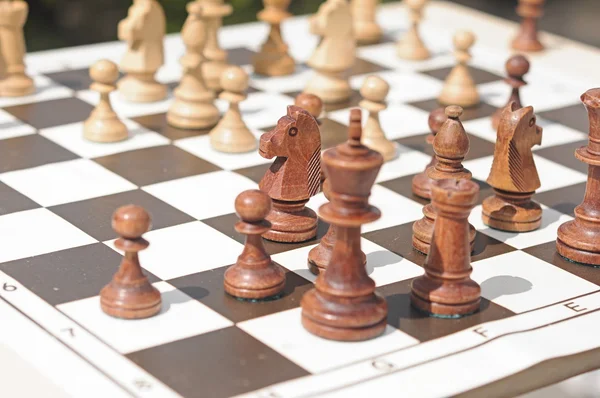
{"x":437,"y":117}
{"x":253,"y":205}
{"x":453,"y":111}
{"x":517,"y":65}
{"x":234,"y":79}
{"x":105,"y":72}
{"x":131,"y":221}
{"x":375,"y":89}
{"x":311,"y":103}
{"x":463,"y":40}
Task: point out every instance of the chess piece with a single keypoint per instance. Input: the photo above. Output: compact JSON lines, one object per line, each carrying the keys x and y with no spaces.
{"x":410,"y":46}
{"x":14,"y":82}
{"x":446,"y":290}
{"x":513,"y":175}
{"x":335,"y":54}
{"x":130,"y":295}
{"x":366,"y":28}
{"x":294,"y":177}
{"x":421,"y":183}
{"x":273,"y":58}
{"x":193,"y":107}
{"x":451,"y":145}
{"x":104,"y":125}
{"x":579,"y":240}
{"x":344,"y":305}
{"x":231,"y":135}
{"x":527,"y":38}
{"x":310,"y":103}
{"x":374,"y":91}
{"x":143,"y":30}
{"x":254,"y":276}
{"x":517,"y":66}
{"x":459,"y":87}
{"x":216,"y":57}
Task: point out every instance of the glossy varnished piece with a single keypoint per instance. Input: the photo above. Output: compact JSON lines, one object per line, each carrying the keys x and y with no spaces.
{"x":517,"y":66}
{"x":344,"y":305}
{"x":514,"y":176}
{"x":579,"y":240}
{"x":421,"y":183}
{"x":130,"y":295}
{"x":254,"y":276}
{"x":527,"y":37}
{"x":446,"y":288}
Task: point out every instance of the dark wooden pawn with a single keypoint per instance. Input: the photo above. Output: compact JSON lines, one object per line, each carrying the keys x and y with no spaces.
{"x":527,"y":38}
{"x":579,"y":240}
{"x":446,"y":288}
{"x":130,"y":295}
{"x":254,"y":276}
{"x":310,"y":103}
{"x":517,"y":66}
{"x":451,"y":145}
{"x":344,"y":305}
{"x":421,"y":183}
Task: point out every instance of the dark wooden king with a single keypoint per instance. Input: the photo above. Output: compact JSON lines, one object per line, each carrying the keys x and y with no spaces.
{"x":344,"y":304}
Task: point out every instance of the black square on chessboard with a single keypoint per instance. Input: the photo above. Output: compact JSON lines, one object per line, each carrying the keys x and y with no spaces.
{"x":574,"y":116}
{"x":52,"y":113}
{"x":75,"y":79}
{"x":563,"y":200}
{"x":156,"y":164}
{"x":94,"y":216}
{"x":39,"y":151}
{"x":240,"y":56}
{"x":12,"y":201}
{"x":565,"y":155}
{"x":223,"y":363}
{"x":482,"y":110}
{"x":158,"y":123}
{"x":68,"y":275}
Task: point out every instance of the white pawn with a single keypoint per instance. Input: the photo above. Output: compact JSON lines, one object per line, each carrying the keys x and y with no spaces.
{"x":459,"y":87}
{"x":366,"y":28}
{"x":410,"y":45}
{"x":231,"y":134}
{"x":104,"y":125}
{"x":374,"y":91}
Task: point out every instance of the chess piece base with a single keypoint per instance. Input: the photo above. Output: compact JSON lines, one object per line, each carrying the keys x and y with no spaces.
{"x":131,"y":302}
{"x":388,"y":149}
{"x":17,"y":85}
{"x":291,"y":222}
{"x":519,"y":216}
{"x":413,"y":54}
{"x":527,"y":44}
{"x":445,"y":300}
{"x":464,"y":96}
{"x":105,"y":130}
{"x":274,"y":64}
{"x":141,"y":89}
{"x":229,"y":140}
{"x":332,"y":88}
{"x":241,"y":282}
{"x":584,"y":249}
{"x":423,"y":231}
{"x":421,"y":185}
{"x":192,"y":115}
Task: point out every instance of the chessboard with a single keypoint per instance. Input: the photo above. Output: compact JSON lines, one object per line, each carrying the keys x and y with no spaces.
{"x":540,"y":315}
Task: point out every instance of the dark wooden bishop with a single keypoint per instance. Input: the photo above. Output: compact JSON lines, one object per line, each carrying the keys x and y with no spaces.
{"x":130,"y":295}
{"x":446,"y":288}
{"x":451,"y":145}
{"x":517,"y":66}
{"x":344,"y":305}
{"x":421,"y":183}
{"x":254,"y":276}
{"x":579,"y":240}
{"x":527,"y":37}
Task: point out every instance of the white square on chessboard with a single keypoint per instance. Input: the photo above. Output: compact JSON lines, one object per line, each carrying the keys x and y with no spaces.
{"x":125,"y":108}
{"x":404,"y":86}
{"x":70,"y":136}
{"x":383,"y":266}
{"x":38,"y":231}
{"x":397,"y":121}
{"x":521,"y":282}
{"x":11,"y":127}
{"x":186,"y":249}
{"x":45,"y":90}
{"x":385,"y":55}
{"x":201,"y":196}
{"x":407,"y":162}
{"x":261,"y":109}
{"x":283,"y":84}
{"x":180,"y":317}
{"x":551,"y":220}
{"x":313,"y":353}
{"x":64,"y":182}
{"x":552,"y":175}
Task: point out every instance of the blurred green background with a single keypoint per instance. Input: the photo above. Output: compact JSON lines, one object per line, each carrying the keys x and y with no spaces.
{"x":62,"y":23}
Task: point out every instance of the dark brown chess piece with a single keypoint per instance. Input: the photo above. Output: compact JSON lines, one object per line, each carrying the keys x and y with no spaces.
{"x":513,"y":175}
{"x":344,"y":305}
{"x":527,"y":38}
{"x":294,"y":177}
{"x":421,"y":183}
{"x":446,"y":288}
{"x":254,"y":276}
{"x":310,"y":103}
{"x":517,"y":66}
{"x":451,"y":145}
{"x":130,"y":295}
{"x":579,"y":240}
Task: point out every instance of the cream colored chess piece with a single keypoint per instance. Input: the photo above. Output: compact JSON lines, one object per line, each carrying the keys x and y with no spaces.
{"x":103,"y":125}
{"x":374,"y":91}
{"x":410,"y":45}
{"x":366,"y":28}
{"x":143,"y":30}
{"x":273,"y":58}
{"x":216,"y":57}
{"x":231,"y":134}
{"x":336,"y":53}
{"x":459,"y":87}
{"x":14,"y":82}
{"x":193,"y":107}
